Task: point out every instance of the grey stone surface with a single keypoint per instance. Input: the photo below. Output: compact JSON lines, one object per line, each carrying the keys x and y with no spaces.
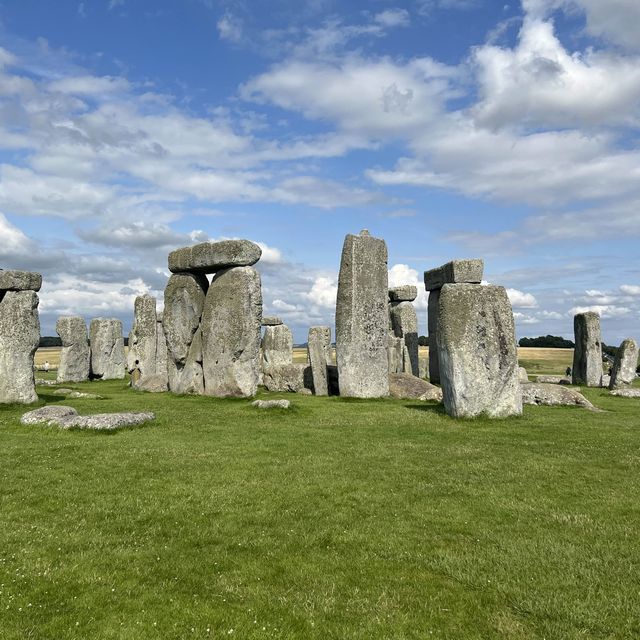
{"x":395,"y":354}
{"x":625,"y":365}
{"x":75,"y":355}
{"x":50,"y":415}
{"x":432,"y":321}
{"x":271,"y":321}
{"x":184,"y":298}
{"x":287,"y":378}
{"x":587,"y":355}
{"x":277,"y":346}
{"x":71,"y":393}
{"x":423,"y":365}
{"x":404,"y":321}
{"x":319,"y":356}
{"x":143,"y":337}
{"x":405,"y":293}
{"x":153,"y":383}
{"x":362,"y":318}
{"x":12,"y":280}
{"x":553,"y":379}
{"x":626,"y":393}
{"x":271,"y":404}
{"x":107,"y":349}
{"x":211,"y":257}
{"x":478,"y":352}
{"x":523,"y":376}
{"x":230,"y":324}
{"x":405,"y":386}
{"x":553,"y":395}
{"x":19,"y":338}
{"x":454,"y":272}
{"x":161,"y":351}
{"x":606,"y":380}
{"x":68,"y":418}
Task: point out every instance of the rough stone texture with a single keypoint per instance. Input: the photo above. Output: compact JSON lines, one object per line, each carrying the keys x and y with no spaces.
{"x":287,"y":378}
{"x":423,"y":365}
{"x":319,"y":356}
{"x":404,"y":386}
{"x":11,"y":280}
{"x":626,"y":393}
{"x":271,"y":404}
{"x":587,"y":355}
{"x":277,"y":346}
{"x":211,"y":257}
{"x":523,"y":376}
{"x":271,"y":321}
{"x":454,"y":272}
{"x":478,"y":352}
{"x":606,"y":380}
{"x":143,"y":337}
{"x":395,"y":354}
{"x":70,"y":393}
{"x":405,"y":293}
{"x":404,"y":321}
{"x":230,"y":324}
{"x":153,"y":383}
{"x":161,"y":351}
{"x":75,"y":356}
{"x":50,"y":414}
{"x":362,"y":318}
{"x":107,"y":349}
{"x":19,"y":338}
{"x":432,"y":321}
{"x":67,"y":418}
{"x":625,"y":364}
{"x":553,"y":379}
{"x":553,"y":394}
{"x":184,"y":298}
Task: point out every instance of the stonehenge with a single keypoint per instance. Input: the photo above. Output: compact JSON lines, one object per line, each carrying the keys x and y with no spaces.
{"x":75,"y":356}
{"x":277,"y":345}
{"x":625,"y":365}
{"x":319,"y":357}
{"x":587,"y":354}
{"x":107,"y":349}
{"x":404,"y":324}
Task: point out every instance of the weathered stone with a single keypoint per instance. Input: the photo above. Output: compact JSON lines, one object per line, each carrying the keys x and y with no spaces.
{"x":68,"y":418}
{"x":277,"y":346}
{"x":70,"y":393}
{"x":287,"y":378}
{"x":271,"y":321}
{"x":553,"y":394}
{"x":362,"y":318}
{"x":153,"y":383}
{"x":107,"y":349}
{"x":625,"y":365}
{"x":19,"y":338}
{"x":523,"y":376}
{"x":161,"y":351}
{"x":553,"y":379}
{"x":50,"y":415}
{"x":587,"y":355}
{"x":432,"y":321}
{"x":271,"y":404}
{"x":231,"y":333}
{"x":211,"y":257}
{"x":143,"y":337}
{"x":404,"y":321}
{"x":405,"y":386}
{"x":423,"y":365}
{"x":11,"y":280}
{"x":626,"y":393}
{"x":606,"y":380}
{"x":319,"y":356}
{"x":395,"y":354}
{"x":75,"y":356}
{"x":478,"y":352}
{"x":405,"y":293}
{"x":184,"y":298}
{"x":454,"y":272}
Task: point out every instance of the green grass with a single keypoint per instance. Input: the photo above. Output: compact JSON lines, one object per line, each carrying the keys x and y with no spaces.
{"x":335,"y":519}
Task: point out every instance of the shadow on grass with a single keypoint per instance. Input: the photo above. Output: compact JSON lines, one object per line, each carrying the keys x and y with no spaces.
{"x":435,"y":408}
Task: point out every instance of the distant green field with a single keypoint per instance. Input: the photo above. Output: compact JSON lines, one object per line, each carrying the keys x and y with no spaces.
{"x":336,"y":519}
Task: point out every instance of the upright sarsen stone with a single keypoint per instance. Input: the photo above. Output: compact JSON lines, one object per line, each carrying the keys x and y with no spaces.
{"x":433,"y":308}
{"x":362,"y":318}
{"x":477,"y":351}
{"x":75,"y":356}
{"x":19,"y":339}
{"x":587,"y":355}
{"x":319,"y":355}
{"x":404,"y":321}
{"x":625,"y":365}
{"x":161,"y":349}
{"x":143,"y":336}
{"x":277,"y":346}
{"x":231,"y":322}
{"x":107,"y":349}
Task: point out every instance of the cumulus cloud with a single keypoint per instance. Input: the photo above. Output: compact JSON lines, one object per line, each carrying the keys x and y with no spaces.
{"x":230,"y":27}
{"x":521,"y":300}
{"x":391,"y":18}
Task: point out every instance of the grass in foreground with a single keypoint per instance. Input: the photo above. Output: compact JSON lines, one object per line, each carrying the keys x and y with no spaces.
{"x":335,"y":519}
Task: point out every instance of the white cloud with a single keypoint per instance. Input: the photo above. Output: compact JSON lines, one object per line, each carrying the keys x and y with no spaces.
{"x":230,"y":27}
{"x":13,"y":239}
{"x":521,"y":300}
{"x":323,"y":292}
{"x":90,"y":85}
{"x":605,"y":311}
{"x":270,"y":255}
{"x":401,"y":274}
{"x":630,"y":289}
{"x":391,"y":18}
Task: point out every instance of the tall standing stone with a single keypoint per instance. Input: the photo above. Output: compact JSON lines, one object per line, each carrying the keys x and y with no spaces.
{"x":587,"y":355}
{"x":404,"y":321}
{"x":319,"y":354}
{"x":433,"y":307}
{"x":478,"y":352}
{"x":107,"y":349}
{"x":19,"y":339}
{"x":277,"y":346}
{"x":362,"y":318}
{"x":161,"y":348}
{"x":75,"y":356}
{"x":143,"y":336}
{"x":231,"y":322}
{"x":625,"y":365}
{"x":184,"y":298}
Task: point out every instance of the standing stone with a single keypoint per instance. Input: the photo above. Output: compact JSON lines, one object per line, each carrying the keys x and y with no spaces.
{"x":432,"y":324}
{"x":75,"y":357}
{"x":277,"y":346}
{"x":184,"y":298}
{"x":143,"y":337}
{"x":107,"y":349}
{"x":19,"y":339}
{"x":231,"y":322}
{"x":211,"y":257}
{"x":161,"y":348}
{"x":625,"y":365}
{"x":319,"y":354}
{"x":362,"y":318}
{"x":404,"y":321}
{"x":423,"y":364}
{"x":395,"y":354}
{"x":478,"y":352}
{"x":587,"y":355}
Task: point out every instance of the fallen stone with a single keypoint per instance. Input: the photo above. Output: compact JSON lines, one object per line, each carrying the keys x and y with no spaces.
{"x":45,"y":383}
{"x":72,"y":393}
{"x":587,"y":355}
{"x":271,"y":321}
{"x":626,"y":393}
{"x":277,"y":346}
{"x":67,"y":418}
{"x":319,"y":356}
{"x":454,"y":272}
{"x":624,"y":365}
{"x":553,"y":379}
{"x":553,"y":395}
{"x":211,"y":257}
{"x":404,"y":386}
{"x":75,"y":355}
{"x":404,"y":322}
{"x":405,"y":293}
{"x":48,"y":415}
{"x":11,"y":280}
{"x":154,"y":383}
{"x":271,"y":404}
{"x":287,"y":378}
{"x":107,"y":349}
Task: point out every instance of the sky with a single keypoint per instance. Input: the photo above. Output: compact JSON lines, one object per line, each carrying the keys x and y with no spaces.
{"x":450,"y":128}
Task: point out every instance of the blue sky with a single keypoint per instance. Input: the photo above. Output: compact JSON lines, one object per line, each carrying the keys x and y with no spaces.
{"x":451,"y":128}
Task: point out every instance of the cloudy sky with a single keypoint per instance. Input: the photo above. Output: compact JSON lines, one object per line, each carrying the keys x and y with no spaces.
{"x":450,"y":128}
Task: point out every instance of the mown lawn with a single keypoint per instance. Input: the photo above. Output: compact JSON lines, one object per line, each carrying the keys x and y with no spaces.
{"x":335,"y":519}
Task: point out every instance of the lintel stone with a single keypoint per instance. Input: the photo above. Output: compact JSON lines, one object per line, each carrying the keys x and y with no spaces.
{"x":454,"y":272}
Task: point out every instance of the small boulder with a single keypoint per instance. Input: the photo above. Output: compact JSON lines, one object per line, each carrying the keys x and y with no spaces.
{"x":553,"y":380}
{"x":405,"y":386}
{"x":553,"y":395}
{"x":271,"y":404}
{"x":626,"y":393}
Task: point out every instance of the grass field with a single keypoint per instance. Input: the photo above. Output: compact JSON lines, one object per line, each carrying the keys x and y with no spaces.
{"x":335,"y":519}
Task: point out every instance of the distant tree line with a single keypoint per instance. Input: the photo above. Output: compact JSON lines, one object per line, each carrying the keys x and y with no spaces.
{"x":547,"y":342}
{"x":54,"y":341}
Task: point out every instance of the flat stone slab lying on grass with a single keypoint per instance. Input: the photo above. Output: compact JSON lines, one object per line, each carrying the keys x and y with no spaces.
{"x":553,"y":380}
{"x":271,"y":404}
{"x":45,"y":383}
{"x":626,"y":393}
{"x":71,"y":393}
{"x":404,"y":386}
{"x":553,"y":395}
{"x":68,"y":418}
